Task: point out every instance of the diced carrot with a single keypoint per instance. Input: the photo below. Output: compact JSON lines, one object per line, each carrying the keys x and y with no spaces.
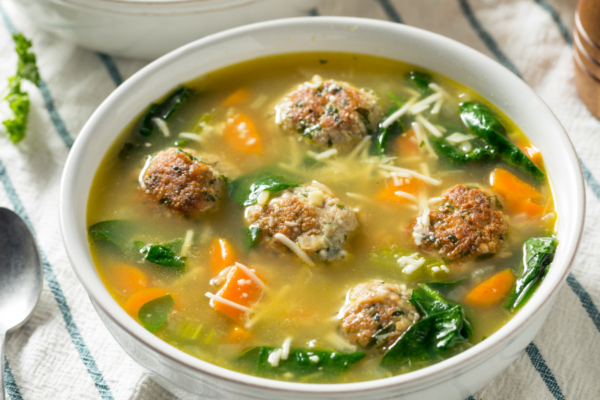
{"x":491,"y":291}
{"x":139,"y":298}
{"x":407,"y":185}
{"x":407,"y":144}
{"x":534,"y":154}
{"x":128,"y":279}
{"x":240,"y":289}
{"x":221,"y":255}
{"x":241,"y":134}
{"x":237,"y":97}
{"x":519,"y":196}
{"x":238,"y":334}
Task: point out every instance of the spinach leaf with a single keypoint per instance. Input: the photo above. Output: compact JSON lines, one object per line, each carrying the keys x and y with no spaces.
{"x":245,"y":189}
{"x":163,"y":110}
{"x":299,"y":361}
{"x":428,"y":301}
{"x":379,"y":146}
{"x":484,"y":154}
{"x":18,"y":100}
{"x":447,"y":285}
{"x":116,"y":231}
{"x":538,"y":253}
{"x":155,"y":313}
{"x":443,"y":325}
{"x":482,"y":122}
{"x":162,"y":255}
{"x":253,"y":233}
{"x":420,"y":81}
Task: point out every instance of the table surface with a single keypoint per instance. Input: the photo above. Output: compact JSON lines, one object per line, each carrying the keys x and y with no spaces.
{"x":65,"y":352}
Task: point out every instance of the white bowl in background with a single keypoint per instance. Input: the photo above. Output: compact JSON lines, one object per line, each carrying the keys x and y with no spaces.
{"x":148,"y":29}
{"x":454,"y":378}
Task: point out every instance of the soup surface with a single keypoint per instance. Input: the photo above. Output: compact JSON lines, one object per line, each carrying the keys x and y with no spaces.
{"x":322,"y":218}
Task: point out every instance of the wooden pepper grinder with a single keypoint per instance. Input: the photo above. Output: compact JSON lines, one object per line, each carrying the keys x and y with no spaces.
{"x":586,"y":53}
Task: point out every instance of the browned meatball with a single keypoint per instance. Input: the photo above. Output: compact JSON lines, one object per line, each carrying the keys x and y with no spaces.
{"x":466,"y":225}
{"x":376,"y":314}
{"x":316,"y":221}
{"x":329,"y":113}
{"x":182,"y":182}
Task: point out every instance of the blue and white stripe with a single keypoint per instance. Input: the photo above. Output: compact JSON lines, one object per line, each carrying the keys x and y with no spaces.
{"x":487,"y":38}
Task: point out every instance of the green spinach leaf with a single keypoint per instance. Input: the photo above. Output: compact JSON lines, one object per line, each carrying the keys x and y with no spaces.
{"x":384,"y":135}
{"x":484,"y":154}
{"x":538,"y":254}
{"x":155,"y":313}
{"x":116,"y":231}
{"x":442,"y":326}
{"x":160,"y":254}
{"x":163,"y":110}
{"x":245,"y":189}
{"x":482,"y":122}
{"x":420,"y":81}
{"x":300,"y":362}
{"x":253,"y":234}
{"x":447,"y":285}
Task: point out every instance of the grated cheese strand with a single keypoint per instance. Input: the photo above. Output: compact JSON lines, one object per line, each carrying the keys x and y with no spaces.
{"x":392,"y":118}
{"x":295,"y":248}
{"x":219,"y":299}
{"x":286,"y":348}
{"x":162,"y":126}
{"x":251,"y":274}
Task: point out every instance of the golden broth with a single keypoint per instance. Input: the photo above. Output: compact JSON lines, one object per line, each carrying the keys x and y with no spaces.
{"x":301,"y":301}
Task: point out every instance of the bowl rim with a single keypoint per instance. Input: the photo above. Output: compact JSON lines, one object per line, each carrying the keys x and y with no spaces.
{"x":424,"y":377}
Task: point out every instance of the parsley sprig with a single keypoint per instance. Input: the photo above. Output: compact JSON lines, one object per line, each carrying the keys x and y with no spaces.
{"x":18,"y":100}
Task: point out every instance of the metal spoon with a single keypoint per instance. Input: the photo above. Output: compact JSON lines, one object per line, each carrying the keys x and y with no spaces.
{"x":21,"y":278}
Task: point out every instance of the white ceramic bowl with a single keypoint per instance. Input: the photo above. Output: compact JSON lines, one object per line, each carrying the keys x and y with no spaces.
{"x":454,"y":378}
{"x":147,"y":29}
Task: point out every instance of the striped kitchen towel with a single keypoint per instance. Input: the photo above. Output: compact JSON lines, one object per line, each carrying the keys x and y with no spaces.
{"x":65,"y":352}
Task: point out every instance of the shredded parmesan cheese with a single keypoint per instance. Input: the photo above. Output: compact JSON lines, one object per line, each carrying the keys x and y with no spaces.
{"x":219,"y":299}
{"x":410,"y":173}
{"x":418,"y":107}
{"x":428,"y":125}
{"x":190,"y":136}
{"x":187,"y":243}
{"x":458,"y":137}
{"x":405,"y":195}
{"x":390,"y":120}
{"x":275,"y":357}
{"x":359,"y":147}
{"x":314,"y":358}
{"x":286,"y":348}
{"x":421,"y":228}
{"x":251,"y":275}
{"x":325,"y":154}
{"x":422,"y":136}
{"x":294,"y":247}
{"x":162,"y":126}
{"x":141,"y":178}
{"x":324,"y":188}
{"x":410,"y":264}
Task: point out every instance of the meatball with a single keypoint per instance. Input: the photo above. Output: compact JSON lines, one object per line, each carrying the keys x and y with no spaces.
{"x":376,"y":314}
{"x":329,"y":113}
{"x":466,"y":225}
{"x":316,"y":221}
{"x":182,"y":182}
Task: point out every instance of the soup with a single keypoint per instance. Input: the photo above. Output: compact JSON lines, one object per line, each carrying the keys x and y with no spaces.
{"x":322,"y":218}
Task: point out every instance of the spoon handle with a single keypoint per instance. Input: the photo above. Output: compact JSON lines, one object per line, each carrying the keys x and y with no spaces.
{"x":2,"y":336}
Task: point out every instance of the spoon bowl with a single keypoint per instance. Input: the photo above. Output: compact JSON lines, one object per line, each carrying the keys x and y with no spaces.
{"x":21,"y":277}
